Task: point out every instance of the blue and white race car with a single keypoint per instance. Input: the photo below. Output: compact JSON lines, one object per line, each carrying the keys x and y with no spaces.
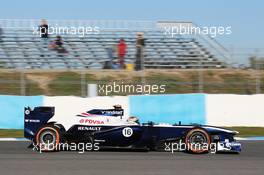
{"x":110,"y":129}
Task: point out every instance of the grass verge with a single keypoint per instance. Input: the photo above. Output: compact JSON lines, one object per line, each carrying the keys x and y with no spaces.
{"x":248,"y":131}
{"x":16,"y":133}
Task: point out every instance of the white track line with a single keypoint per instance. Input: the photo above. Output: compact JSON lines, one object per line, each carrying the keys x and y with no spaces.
{"x":24,"y":139}
{"x":13,"y":139}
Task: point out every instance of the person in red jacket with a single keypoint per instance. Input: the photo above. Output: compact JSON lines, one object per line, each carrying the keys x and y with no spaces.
{"x":121,"y":52}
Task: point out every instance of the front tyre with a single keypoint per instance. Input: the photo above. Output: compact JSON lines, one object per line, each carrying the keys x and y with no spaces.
{"x":197,"y":141}
{"x":48,"y":138}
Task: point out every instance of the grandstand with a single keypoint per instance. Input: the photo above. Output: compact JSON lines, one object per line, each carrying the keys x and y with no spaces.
{"x":22,"y":48}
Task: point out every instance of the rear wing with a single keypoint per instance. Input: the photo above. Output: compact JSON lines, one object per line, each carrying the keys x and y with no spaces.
{"x":34,"y":119}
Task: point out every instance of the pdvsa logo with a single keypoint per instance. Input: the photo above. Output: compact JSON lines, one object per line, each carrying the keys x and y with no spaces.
{"x":91,"y":121}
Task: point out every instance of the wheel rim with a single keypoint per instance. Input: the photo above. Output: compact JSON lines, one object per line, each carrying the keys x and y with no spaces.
{"x":47,"y":137}
{"x":198,"y":141}
{"x":198,"y":138}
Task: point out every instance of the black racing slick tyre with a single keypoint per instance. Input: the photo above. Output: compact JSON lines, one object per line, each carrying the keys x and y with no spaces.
{"x":197,"y":141}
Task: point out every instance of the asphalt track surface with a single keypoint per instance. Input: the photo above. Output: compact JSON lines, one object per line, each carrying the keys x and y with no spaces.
{"x":16,"y":158}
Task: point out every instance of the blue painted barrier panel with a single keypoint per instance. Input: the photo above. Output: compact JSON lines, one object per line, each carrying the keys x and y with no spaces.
{"x":12,"y":110}
{"x":187,"y":108}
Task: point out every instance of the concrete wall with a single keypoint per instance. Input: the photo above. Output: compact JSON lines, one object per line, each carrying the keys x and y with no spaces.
{"x":235,"y":110}
{"x":66,"y":108}
{"x":187,"y":108}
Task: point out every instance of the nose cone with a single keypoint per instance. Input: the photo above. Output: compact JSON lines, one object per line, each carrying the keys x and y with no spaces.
{"x":212,"y":128}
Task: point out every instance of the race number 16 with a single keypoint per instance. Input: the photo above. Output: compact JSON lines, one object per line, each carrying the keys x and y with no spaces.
{"x":127,"y":132}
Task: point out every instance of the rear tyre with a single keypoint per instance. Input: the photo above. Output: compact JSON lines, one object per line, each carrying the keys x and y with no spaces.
{"x":197,"y":141}
{"x":48,"y":138}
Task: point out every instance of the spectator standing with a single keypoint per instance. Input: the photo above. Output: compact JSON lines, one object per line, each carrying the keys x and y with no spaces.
{"x":121,"y":52}
{"x":110,"y":53}
{"x":140,"y":44}
{"x":111,"y":50}
{"x":44,"y":29}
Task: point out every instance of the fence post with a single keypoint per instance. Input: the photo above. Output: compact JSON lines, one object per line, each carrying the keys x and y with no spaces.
{"x":257,"y":73}
{"x":83,"y":84}
{"x":258,"y":81}
{"x":22,"y":83}
{"x":200,"y":77}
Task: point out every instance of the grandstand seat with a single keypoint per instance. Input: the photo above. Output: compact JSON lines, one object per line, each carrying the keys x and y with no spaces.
{"x":24,"y":49}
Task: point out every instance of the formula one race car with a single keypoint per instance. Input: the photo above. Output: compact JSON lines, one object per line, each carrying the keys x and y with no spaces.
{"x":110,"y":129}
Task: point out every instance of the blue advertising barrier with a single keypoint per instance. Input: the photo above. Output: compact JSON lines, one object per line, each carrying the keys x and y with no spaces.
{"x":187,"y":108}
{"x":12,"y":110}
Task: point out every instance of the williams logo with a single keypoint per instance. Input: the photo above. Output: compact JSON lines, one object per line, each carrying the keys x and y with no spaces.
{"x":31,"y":121}
{"x":112,"y":112}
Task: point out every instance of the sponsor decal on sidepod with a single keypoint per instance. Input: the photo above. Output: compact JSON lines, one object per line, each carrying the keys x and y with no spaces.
{"x":89,"y":128}
{"x":91,"y":121}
